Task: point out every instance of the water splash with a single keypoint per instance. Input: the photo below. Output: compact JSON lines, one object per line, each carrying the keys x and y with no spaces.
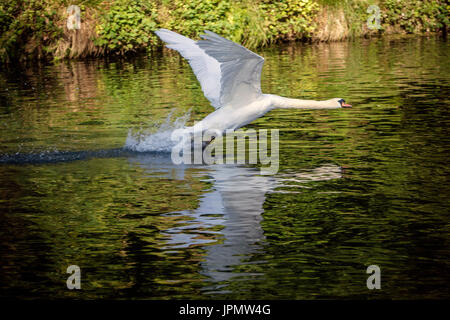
{"x":157,"y":141}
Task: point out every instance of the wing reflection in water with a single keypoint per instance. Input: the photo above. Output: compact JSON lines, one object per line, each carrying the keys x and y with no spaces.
{"x":227,"y":221}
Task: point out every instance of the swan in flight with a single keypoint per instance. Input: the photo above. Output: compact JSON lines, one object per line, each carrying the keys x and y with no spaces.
{"x":230,"y":77}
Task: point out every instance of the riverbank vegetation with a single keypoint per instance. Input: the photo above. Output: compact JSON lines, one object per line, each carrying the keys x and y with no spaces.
{"x":38,"y":28}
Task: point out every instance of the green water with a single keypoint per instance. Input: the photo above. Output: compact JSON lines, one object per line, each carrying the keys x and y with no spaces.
{"x":356,"y":187}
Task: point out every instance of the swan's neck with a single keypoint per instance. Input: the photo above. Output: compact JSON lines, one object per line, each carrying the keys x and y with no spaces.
{"x":288,"y":103}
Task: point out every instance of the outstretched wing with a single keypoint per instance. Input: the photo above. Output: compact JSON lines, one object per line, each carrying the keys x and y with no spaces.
{"x":229,"y":74}
{"x":206,"y":69}
{"x":240,"y":69}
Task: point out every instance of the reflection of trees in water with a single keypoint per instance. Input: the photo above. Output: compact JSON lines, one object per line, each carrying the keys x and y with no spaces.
{"x":166,"y":233}
{"x":227,"y":221}
{"x":84,"y":96}
{"x":80,"y":81}
{"x":100,"y":215}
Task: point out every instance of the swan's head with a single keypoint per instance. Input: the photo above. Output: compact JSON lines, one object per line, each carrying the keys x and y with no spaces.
{"x":342,"y":103}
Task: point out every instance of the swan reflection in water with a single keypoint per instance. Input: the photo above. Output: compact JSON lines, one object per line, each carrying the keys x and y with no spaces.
{"x":227,"y":221}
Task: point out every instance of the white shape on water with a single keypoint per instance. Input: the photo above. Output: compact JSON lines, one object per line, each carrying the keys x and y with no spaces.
{"x":230,"y":77}
{"x":158,"y":141}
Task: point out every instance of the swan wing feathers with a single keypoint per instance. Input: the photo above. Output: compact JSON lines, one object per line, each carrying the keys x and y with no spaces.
{"x":228,"y":73}
{"x":206,"y":68}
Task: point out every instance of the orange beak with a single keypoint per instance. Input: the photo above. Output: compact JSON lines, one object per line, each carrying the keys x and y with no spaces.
{"x":345,"y":105}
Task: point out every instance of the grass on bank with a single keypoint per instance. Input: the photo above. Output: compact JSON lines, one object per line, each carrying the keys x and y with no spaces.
{"x":37,"y":28}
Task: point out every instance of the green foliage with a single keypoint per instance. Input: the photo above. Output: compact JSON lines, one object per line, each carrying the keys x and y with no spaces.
{"x":416,"y":16}
{"x":35,"y":28}
{"x":240,"y":21}
{"x":27,"y":28}
{"x":127,"y":25}
{"x":356,"y":15}
{"x":289,"y":19}
{"x":253,"y":23}
{"x":191,"y":17}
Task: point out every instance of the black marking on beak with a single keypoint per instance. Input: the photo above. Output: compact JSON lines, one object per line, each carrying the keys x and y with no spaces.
{"x":343,"y":104}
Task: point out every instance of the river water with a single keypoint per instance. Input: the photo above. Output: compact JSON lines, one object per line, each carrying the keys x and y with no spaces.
{"x":355,"y":187}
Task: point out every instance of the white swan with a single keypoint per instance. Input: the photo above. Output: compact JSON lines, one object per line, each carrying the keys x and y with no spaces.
{"x":230,"y":77}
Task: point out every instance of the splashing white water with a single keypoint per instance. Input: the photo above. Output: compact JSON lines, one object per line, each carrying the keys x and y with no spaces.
{"x":159,"y":140}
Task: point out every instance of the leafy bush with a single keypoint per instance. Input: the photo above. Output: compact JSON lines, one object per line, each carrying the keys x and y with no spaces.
{"x":253,"y":23}
{"x":27,"y":28}
{"x":127,"y":25}
{"x":416,"y":16}
{"x":193,"y":17}
{"x":37,"y":27}
{"x":289,"y":19}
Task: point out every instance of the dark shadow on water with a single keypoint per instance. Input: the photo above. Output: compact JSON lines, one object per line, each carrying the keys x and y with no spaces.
{"x":43,"y":157}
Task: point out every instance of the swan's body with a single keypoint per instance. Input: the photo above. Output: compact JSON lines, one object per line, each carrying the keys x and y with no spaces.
{"x":230,"y":77}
